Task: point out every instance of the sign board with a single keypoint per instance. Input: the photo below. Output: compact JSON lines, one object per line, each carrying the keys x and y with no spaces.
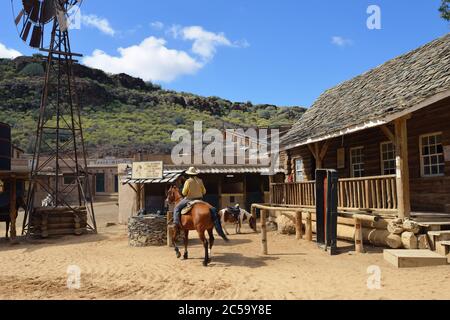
{"x":447,"y":153}
{"x":341,"y":158}
{"x":148,"y":170}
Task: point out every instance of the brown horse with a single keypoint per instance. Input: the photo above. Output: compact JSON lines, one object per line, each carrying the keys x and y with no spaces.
{"x":203,"y":217}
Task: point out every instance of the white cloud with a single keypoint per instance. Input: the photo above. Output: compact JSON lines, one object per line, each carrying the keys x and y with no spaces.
{"x":151,"y":60}
{"x":157,"y":25}
{"x":8,"y":53}
{"x":341,"y":41}
{"x":101,"y":24}
{"x":205,"y":43}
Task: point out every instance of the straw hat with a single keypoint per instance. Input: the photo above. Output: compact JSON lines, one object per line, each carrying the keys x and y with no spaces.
{"x":192,"y":172}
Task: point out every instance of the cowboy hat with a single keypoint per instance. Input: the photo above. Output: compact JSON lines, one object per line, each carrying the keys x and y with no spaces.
{"x":192,"y":172}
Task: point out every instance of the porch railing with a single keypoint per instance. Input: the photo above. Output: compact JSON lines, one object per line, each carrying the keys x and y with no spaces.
{"x":371,"y":193}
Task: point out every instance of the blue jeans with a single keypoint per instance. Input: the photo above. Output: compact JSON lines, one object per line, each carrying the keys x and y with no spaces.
{"x":177,"y":212}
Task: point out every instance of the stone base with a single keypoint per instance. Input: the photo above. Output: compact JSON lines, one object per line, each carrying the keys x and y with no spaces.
{"x":147,"y":231}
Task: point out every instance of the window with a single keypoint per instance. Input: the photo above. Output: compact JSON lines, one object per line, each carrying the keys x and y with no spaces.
{"x":299,"y":171}
{"x":388,"y":159}
{"x":69,"y":180}
{"x":357,"y":162}
{"x":432,"y":160}
{"x":100,"y":182}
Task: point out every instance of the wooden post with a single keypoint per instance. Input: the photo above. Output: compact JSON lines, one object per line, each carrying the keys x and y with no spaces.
{"x":219,"y":191}
{"x":309,"y":232}
{"x":359,"y":244}
{"x":401,"y":150}
{"x":169,"y":229}
{"x":244,"y":191}
{"x":255,"y":216}
{"x":264,"y":233}
{"x":13,"y":209}
{"x":298,"y":225}
{"x":138,"y":197}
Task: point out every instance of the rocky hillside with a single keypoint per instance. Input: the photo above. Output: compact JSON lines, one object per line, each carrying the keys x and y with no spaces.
{"x":122,"y":114}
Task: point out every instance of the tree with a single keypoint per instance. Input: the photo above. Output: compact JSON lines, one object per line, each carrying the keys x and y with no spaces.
{"x":445,"y":9}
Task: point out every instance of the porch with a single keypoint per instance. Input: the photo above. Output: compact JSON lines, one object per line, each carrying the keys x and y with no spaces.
{"x":376,"y":195}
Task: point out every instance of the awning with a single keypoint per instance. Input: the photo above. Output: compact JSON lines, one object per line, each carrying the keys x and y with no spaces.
{"x":169,"y":177}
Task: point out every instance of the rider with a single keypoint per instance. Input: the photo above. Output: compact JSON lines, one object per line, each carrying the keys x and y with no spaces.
{"x":194,"y":189}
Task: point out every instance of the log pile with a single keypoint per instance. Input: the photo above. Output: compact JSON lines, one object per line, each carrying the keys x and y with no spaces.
{"x":144,"y":231}
{"x":46,"y":222}
{"x":408,"y":231}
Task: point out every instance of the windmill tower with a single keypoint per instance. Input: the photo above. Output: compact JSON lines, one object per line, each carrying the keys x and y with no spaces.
{"x":59,"y":161}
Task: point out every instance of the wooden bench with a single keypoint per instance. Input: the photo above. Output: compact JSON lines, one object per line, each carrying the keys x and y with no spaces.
{"x":443,"y":248}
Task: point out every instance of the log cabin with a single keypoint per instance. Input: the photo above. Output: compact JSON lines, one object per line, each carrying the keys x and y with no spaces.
{"x":386,"y":132}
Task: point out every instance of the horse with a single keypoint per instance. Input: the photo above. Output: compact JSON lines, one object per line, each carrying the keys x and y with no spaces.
{"x":202,"y":217}
{"x":20,"y":203}
{"x":228,"y":215}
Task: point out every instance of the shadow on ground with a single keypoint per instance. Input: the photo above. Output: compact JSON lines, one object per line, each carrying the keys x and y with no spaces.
{"x":31,"y":245}
{"x":239,"y":260}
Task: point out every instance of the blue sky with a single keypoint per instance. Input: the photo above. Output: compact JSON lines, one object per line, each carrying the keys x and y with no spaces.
{"x":280,"y":52}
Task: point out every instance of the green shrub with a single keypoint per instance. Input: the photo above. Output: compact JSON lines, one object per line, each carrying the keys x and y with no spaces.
{"x":33,"y":70}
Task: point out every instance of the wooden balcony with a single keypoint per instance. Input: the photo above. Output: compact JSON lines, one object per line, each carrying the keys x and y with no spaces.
{"x":368,"y":193}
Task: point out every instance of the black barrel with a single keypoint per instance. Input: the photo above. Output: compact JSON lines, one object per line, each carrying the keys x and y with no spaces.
{"x":5,"y":147}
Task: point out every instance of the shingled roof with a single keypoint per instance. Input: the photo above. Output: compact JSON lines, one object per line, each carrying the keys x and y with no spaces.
{"x":374,"y":97}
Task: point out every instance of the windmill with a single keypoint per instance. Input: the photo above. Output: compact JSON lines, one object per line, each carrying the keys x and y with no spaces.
{"x":59,"y":167}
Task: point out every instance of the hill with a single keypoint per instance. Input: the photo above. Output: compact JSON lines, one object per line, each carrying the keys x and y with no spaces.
{"x":122,"y":114}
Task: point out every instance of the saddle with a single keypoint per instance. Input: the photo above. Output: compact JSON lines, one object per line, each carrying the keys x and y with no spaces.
{"x":190,"y":205}
{"x":235,"y":212}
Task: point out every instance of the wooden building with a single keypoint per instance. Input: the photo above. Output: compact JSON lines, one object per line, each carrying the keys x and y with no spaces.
{"x":226,"y":186}
{"x":386,"y":132}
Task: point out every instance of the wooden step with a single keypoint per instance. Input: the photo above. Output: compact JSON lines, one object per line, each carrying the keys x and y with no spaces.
{"x":438,"y":236}
{"x":443,"y":248}
{"x":414,"y":258}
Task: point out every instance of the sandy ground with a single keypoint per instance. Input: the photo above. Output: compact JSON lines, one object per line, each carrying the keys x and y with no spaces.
{"x":293,"y":270}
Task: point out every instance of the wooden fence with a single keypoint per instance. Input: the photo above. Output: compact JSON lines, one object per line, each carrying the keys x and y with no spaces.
{"x":371,"y":193}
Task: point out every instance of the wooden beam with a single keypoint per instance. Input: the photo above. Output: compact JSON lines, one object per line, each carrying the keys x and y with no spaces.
{"x":13,"y":208}
{"x":324,"y":150}
{"x":316,"y":152}
{"x":299,"y":225}
{"x":313,"y":152}
{"x":402,"y":165}
{"x":388,"y":133}
{"x":264,"y":233}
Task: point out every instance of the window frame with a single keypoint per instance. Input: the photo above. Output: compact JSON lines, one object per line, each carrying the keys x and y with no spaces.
{"x":352,"y":171}
{"x":383,"y":161}
{"x":104,"y":182}
{"x":302,"y":171}
{"x":422,"y":163}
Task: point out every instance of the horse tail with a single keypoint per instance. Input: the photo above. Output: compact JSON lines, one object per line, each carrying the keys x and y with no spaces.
{"x":218,"y":224}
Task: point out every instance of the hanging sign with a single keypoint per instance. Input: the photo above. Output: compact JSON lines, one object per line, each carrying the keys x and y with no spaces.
{"x":148,"y":170}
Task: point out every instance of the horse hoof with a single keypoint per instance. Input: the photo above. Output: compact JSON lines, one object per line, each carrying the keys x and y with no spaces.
{"x":205,"y":264}
{"x":185,"y":257}
{"x":178,"y":255}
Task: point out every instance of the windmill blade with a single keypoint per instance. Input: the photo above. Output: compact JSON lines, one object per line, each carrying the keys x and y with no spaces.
{"x":61,"y":16}
{"x":36,"y":37}
{"x":62,"y":20}
{"x":35,"y":12}
{"x":19,"y":17}
{"x":26,"y":31}
{"x":48,"y":11}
